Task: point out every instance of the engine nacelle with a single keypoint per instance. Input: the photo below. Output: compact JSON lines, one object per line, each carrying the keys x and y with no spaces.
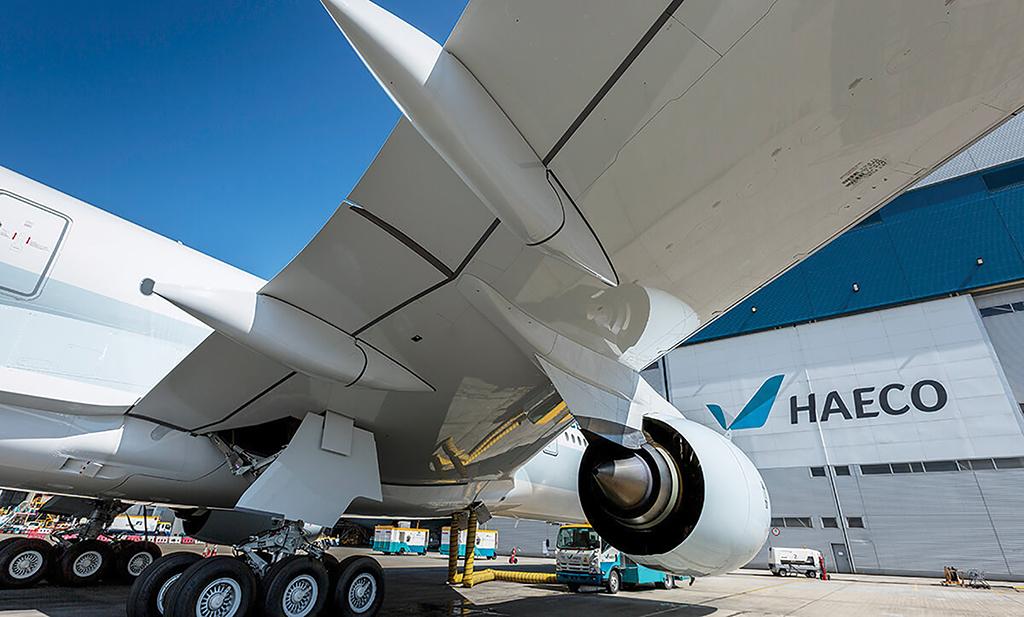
{"x":232,"y":527}
{"x":688,"y":502}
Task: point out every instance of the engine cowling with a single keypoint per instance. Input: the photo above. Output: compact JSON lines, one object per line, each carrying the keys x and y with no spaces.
{"x":688,"y":502}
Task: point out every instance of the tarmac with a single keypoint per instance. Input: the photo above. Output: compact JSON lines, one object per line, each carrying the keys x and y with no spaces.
{"x":415,"y":586}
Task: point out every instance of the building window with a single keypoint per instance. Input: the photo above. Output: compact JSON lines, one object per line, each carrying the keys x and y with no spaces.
{"x":802,"y":522}
{"x":855,"y":522}
{"x":842,"y":470}
{"x":869,"y":470}
{"x":981,"y":463}
{"x":941,"y":466}
{"x":900,"y":467}
{"x":829,"y":522}
{"x":917,"y":467}
{"x":1009,"y":463}
{"x":817,"y":472}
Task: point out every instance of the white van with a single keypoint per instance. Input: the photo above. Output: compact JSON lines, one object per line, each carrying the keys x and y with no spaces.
{"x":784,"y":561}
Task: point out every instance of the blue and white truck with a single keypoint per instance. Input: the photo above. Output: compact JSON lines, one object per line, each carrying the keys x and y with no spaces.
{"x":582,"y":558}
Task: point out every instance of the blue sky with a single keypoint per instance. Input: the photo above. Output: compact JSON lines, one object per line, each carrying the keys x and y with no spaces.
{"x":236,"y":127}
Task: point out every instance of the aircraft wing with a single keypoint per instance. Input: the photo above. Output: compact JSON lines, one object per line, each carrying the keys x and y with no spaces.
{"x":709,"y":145}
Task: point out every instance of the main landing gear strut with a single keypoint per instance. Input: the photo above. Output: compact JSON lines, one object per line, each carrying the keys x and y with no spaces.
{"x":77,"y":556}
{"x":268,"y":576}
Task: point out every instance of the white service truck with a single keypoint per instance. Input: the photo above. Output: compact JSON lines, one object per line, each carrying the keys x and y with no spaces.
{"x":786,"y":561}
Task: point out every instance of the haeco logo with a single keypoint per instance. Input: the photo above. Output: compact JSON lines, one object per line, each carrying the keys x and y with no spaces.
{"x":755,"y":412}
{"x":894,"y":399}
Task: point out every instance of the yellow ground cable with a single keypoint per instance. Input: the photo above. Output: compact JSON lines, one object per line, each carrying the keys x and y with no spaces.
{"x":467,"y":569}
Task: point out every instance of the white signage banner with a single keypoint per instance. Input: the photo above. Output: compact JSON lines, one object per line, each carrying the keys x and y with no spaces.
{"x":913,"y":383}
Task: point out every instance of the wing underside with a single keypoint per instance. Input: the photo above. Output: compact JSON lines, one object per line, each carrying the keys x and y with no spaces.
{"x":710,"y":145}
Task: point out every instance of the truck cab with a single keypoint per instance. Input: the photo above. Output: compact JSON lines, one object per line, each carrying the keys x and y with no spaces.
{"x":582,"y":558}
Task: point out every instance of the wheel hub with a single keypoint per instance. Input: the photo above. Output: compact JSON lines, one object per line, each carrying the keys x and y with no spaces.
{"x":362,"y":592}
{"x":299,"y":596}
{"x":87,"y":564}
{"x":219,"y":599}
{"x":25,"y":565}
{"x":139,"y":562}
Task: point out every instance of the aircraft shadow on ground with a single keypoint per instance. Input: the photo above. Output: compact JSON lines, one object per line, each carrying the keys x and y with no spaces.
{"x":410,"y":591}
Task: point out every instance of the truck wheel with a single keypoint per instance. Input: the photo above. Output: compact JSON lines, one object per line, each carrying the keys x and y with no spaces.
{"x":614,"y":582}
{"x":811,"y":574}
{"x":23,"y":562}
{"x":783,"y":572}
{"x":669,"y":582}
{"x":573,"y":587}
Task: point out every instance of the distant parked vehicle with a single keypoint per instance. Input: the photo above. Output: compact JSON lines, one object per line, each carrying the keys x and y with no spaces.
{"x":786,"y":561}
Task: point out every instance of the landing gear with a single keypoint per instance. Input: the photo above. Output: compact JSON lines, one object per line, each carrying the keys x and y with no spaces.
{"x":23,"y":562}
{"x":266,"y":577}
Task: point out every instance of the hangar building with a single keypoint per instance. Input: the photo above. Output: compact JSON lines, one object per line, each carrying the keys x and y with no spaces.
{"x":879,"y":384}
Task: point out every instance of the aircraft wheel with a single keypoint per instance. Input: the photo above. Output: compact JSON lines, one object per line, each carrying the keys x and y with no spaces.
{"x":360,"y":588}
{"x":148,"y":594}
{"x":83,"y":563}
{"x":296,"y":586}
{"x":131,"y":558}
{"x":614,"y":582}
{"x":23,"y":562}
{"x":213,"y":587}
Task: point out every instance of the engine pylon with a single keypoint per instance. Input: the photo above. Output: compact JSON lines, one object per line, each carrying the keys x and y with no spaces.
{"x":458,"y":118}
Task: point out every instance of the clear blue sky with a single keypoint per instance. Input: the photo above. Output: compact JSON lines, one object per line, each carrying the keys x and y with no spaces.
{"x":236,"y":127}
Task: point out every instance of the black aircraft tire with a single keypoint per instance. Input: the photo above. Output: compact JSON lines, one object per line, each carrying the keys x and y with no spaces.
{"x":213,"y":587}
{"x":296,"y":586}
{"x":23,"y":562}
{"x":149,"y":591}
{"x":132,"y":558}
{"x":83,"y":563}
{"x":360,"y":588}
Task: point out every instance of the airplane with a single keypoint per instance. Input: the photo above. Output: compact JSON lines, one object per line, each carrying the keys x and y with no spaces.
{"x":573,"y":189}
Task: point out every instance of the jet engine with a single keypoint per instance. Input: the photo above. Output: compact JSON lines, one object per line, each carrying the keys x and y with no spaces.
{"x":688,"y":501}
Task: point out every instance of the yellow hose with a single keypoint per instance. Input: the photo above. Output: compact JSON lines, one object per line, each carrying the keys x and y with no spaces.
{"x":489,"y":574}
